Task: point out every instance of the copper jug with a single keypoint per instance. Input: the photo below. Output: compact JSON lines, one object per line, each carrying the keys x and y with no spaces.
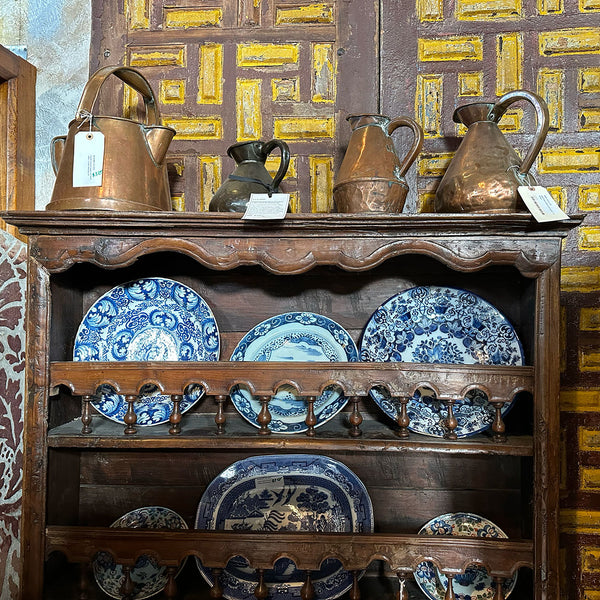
{"x":484,"y":174}
{"x":371,"y":176}
{"x":250,"y":175}
{"x":134,"y":170}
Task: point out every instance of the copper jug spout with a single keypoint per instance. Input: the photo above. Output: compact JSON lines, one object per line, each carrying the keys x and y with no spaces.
{"x":158,"y":139}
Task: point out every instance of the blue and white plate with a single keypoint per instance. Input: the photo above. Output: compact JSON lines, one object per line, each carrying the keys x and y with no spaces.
{"x":475,"y":583}
{"x":153,"y":319}
{"x":435,"y":324}
{"x":148,"y":577}
{"x":293,"y":492}
{"x":294,"y":336}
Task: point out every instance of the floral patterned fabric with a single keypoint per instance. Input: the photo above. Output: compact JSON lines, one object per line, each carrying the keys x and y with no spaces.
{"x":13,"y":284}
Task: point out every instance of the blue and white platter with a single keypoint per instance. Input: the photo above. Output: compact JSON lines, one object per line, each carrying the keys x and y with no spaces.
{"x":293,"y":336}
{"x":294,"y":492}
{"x":436,"y":324}
{"x":148,"y":577}
{"x":475,"y":583}
{"x":151,"y":319}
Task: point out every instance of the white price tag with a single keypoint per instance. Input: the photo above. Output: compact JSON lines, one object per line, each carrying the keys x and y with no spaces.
{"x":88,"y":159}
{"x":541,"y":204}
{"x":263,"y":206}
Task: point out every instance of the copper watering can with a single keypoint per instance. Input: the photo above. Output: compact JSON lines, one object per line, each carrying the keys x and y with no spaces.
{"x":485,"y":172}
{"x":134,"y":171}
{"x":371,"y":176}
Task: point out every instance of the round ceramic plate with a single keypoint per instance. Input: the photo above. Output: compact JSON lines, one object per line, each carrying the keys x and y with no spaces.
{"x":434,"y":324}
{"x":151,"y":319}
{"x":148,"y":577}
{"x":474,"y":583}
{"x":293,"y":492}
{"x":293,"y":336}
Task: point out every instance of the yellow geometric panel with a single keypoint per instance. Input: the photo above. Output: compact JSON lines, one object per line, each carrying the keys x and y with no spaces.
{"x":272,"y":165}
{"x":589,"y":320}
{"x":157,"y":56}
{"x":434,"y":165}
{"x":579,"y":400}
{"x":321,"y":183}
{"x":590,"y":479}
{"x":509,"y":62}
{"x":302,"y":128}
{"x":209,"y":175}
{"x":172,"y":91}
{"x":476,"y":10}
{"x":589,"y":359}
{"x":569,"y":160}
{"x":196,"y":128}
{"x":559,"y":195}
{"x":186,"y":18}
{"x":323,"y":73}
{"x":428,"y":104}
{"x":550,"y":84}
{"x":286,"y":89}
{"x":267,"y":55}
{"x":590,"y":559}
{"x":589,"y":439}
{"x":425,"y":202}
{"x":210,"y":76}
{"x":294,"y":201}
{"x":580,"y":279}
{"x":591,"y":594}
{"x":430,"y":10}
{"x":550,"y":7}
{"x":589,"y":80}
{"x":589,"y":5}
{"x":470,"y":83}
{"x":451,"y":48}
{"x":137,"y":12}
{"x":310,"y":13}
{"x":575,"y":520}
{"x":589,"y":119}
{"x":178,"y":202}
{"x":589,"y":238}
{"x":248,"y":115}
{"x":579,"y":40}
{"x":511,"y":120}
{"x":589,"y":197}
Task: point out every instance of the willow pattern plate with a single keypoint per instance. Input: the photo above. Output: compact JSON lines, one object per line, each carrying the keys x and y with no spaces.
{"x":293,"y":492}
{"x":475,"y":583}
{"x":435,"y":324}
{"x":148,"y":577}
{"x":150,"y":319}
{"x":293,"y":336}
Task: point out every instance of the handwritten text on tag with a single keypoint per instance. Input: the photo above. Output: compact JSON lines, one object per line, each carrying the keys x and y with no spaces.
{"x":88,"y":159}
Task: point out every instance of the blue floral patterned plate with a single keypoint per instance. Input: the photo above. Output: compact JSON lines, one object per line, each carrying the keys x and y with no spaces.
{"x":293,"y":492}
{"x":149,"y":319}
{"x":435,"y":324}
{"x":294,"y":336}
{"x":475,"y":583}
{"x":148,"y":577}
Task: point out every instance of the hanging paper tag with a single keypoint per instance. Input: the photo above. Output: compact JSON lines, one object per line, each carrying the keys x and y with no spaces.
{"x":262,"y":206}
{"x":88,"y":158}
{"x":541,"y":204}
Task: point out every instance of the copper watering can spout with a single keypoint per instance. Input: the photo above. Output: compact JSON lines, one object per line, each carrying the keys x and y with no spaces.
{"x":158,"y":142}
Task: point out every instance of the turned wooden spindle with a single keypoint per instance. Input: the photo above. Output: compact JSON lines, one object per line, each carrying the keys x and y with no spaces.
{"x":307,"y":591}
{"x":128,"y":586}
{"x":130,"y":418}
{"x":85,"y":578}
{"x":355,"y":418}
{"x":261,"y":591}
{"x":451,"y":422}
{"x":170,"y":590}
{"x":86,"y":414}
{"x":264,"y":416}
{"x":175,"y":417}
{"x":220,"y":418}
{"x":402,"y":418}
{"x":498,"y":427}
{"x":402,"y":589}
{"x":354,"y":593}
{"x":499,"y":593}
{"x":311,"y":419}
{"x":216,"y":590}
{"x":450,"y":595}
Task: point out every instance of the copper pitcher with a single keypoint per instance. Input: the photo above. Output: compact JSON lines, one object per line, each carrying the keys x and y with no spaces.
{"x":250,"y":175}
{"x":484,"y":174}
{"x":372,"y":176}
{"x":134,"y":170}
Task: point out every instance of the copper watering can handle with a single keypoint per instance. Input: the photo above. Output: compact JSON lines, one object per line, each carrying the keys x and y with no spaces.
{"x":284,"y":163}
{"x":131,"y":77}
{"x":417,"y":141}
{"x":543,"y":122}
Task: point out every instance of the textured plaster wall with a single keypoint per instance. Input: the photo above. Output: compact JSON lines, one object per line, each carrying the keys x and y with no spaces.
{"x":56,"y":34}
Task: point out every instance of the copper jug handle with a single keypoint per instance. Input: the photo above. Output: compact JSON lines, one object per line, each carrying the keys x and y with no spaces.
{"x":284,"y":163}
{"x":131,"y":77}
{"x":417,"y":144}
{"x":543,"y":122}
